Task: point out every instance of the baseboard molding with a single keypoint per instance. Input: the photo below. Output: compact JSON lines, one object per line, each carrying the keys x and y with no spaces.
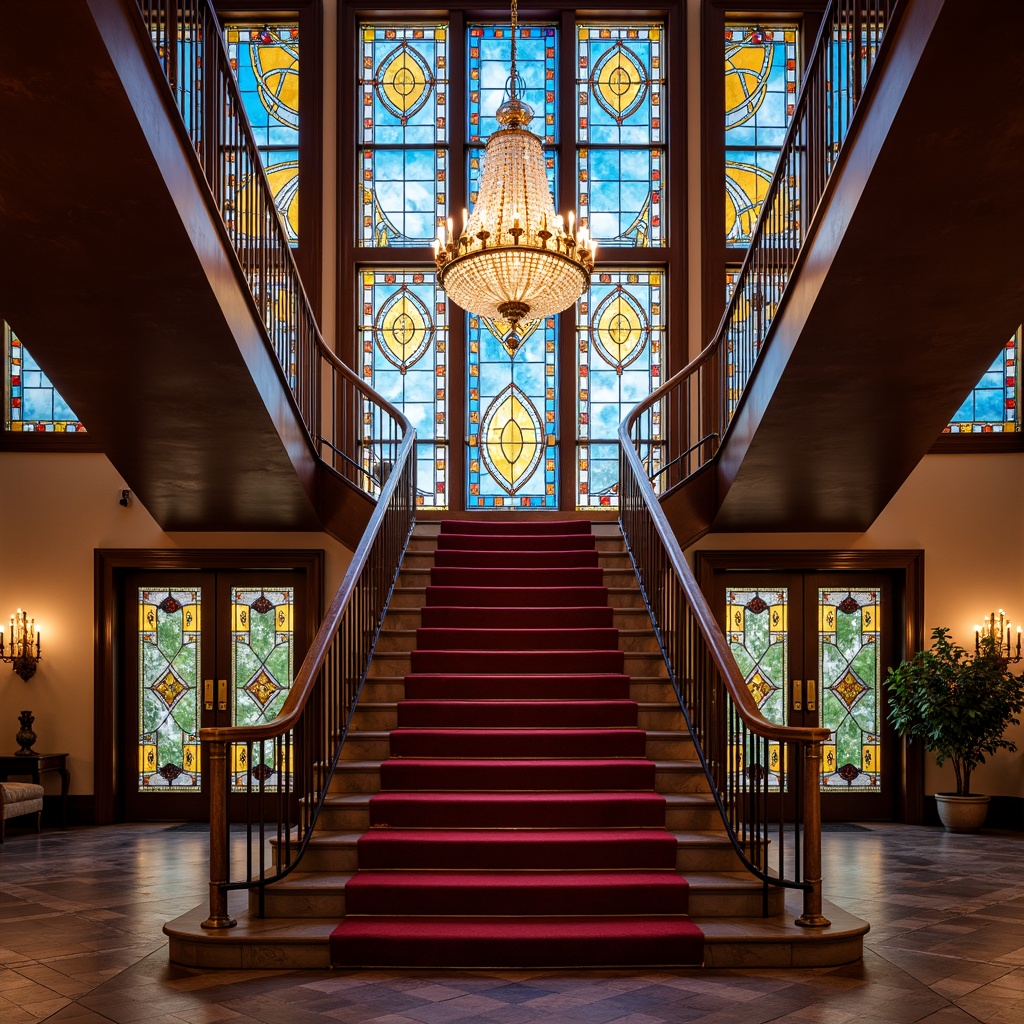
{"x":1004,"y":812}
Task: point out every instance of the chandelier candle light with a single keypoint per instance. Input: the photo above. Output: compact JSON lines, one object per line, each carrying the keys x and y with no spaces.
{"x":997,"y":626}
{"x":24,"y":637}
{"x":515,"y":259}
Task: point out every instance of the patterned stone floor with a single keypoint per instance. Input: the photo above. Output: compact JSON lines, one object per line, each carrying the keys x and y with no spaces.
{"x":80,"y":940}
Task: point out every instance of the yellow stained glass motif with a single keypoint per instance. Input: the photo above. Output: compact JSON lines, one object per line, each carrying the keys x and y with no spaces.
{"x":511,"y":340}
{"x":170,"y":689}
{"x":513,"y":438}
{"x":747,"y":67}
{"x":621,"y":82}
{"x":759,"y":688}
{"x":621,"y":329}
{"x":745,"y":188}
{"x":404,"y":329}
{"x":276,"y":66}
{"x":263,"y":688}
{"x":404,"y":81}
{"x":848,"y":689}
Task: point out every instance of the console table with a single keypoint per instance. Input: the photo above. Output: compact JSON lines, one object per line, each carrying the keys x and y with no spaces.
{"x":35,"y":765}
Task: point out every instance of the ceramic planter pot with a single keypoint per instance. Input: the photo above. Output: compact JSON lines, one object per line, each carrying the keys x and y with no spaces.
{"x":962,"y":813}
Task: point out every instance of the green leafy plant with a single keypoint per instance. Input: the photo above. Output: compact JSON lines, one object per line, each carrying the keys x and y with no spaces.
{"x":960,"y":706}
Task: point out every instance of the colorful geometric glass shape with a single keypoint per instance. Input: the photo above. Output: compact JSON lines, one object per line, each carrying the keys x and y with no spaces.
{"x":993,"y":406}
{"x":620,"y":336}
{"x":403,"y":152}
{"x":512,"y":458}
{"x":33,"y":404}
{"x":262,"y":666}
{"x":849,"y":689}
{"x":403,"y":338}
{"x":169,"y":651}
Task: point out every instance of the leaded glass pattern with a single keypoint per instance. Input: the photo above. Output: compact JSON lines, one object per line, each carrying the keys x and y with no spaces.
{"x":620,"y":332}
{"x":757,"y":627}
{"x":403,"y":335}
{"x":849,"y":674}
{"x":262,"y":664}
{"x":620,"y":133}
{"x":169,"y":662}
{"x":34,"y":405}
{"x":760,"y":94}
{"x":991,"y":408}
{"x":513,"y":450}
{"x":265,"y":59}
{"x":403,"y":87}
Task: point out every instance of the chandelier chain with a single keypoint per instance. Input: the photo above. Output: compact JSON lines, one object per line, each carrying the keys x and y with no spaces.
{"x":515,"y":26}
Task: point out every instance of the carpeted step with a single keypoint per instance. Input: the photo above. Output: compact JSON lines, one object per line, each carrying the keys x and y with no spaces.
{"x":512,"y":579}
{"x":515,"y":743}
{"x":517,"y":942}
{"x":516,"y":662}
{"x":423,"y":893}
{"x":439,"y":617}
{"x":429,"y":638}
{"x":517,"y":810}
{"x":516,"y":559}
{"x":504,"y":541}
{"x":547,"y":687}
{"x":516,"y":849}
{"x":523,"y":714}
{"x":472,"y":775}
{"x":522,"y":529}
{"x":480,"y":595}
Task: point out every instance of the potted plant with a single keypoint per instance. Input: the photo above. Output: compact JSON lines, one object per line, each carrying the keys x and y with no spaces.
{"x":960,"y":707}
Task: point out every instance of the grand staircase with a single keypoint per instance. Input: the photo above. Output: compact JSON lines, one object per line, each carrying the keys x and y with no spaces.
{"x":517,"y":800}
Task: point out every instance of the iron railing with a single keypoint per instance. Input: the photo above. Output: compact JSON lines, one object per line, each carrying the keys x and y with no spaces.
{"x":765,"y":777}
{"x":287,"y":764}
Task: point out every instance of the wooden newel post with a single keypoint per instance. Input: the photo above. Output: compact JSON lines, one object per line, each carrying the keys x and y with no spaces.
{"x":812,"y":916}
{"x":217,"y":766}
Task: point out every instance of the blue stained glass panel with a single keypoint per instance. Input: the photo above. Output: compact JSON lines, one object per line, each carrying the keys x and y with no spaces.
{"x":513,"y":426}
{"x":403,"y":196}
{"x":34,"y":405}
{"x":489,"y":60}
{"x":620,"y":195}
{"x":403,"y":334}
{"x":620,"y":336}
{"x":991,"y":408}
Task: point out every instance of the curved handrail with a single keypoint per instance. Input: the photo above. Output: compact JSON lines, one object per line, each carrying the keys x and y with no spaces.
{"x":678,"y":429}
{"x":289,"y":761}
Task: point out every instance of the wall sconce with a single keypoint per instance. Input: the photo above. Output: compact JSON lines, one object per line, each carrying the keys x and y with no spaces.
{"x":997,"y":626}
{"x":25,"y":647}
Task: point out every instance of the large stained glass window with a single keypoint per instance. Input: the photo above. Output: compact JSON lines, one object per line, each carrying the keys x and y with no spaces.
{"x":761,"y":79}
{"x":620,"y":333}
{"x":403,"y":157}
{"x":620,"y":133}
{"x":169,"y":672}
{"x":404,"y":347}
{"x":262,"y":666}
{"x":265,"y":59}
{"x":33,"y":404}
{"x":992,"y":407}
{"x":513,"y":426}
{"x":849,"y":674}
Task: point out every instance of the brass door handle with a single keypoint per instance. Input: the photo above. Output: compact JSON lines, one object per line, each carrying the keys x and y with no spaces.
{"x":222,"y":695}
{"x":207,"y":694}
{"x":798,"y":695}
{"x":812,"y":696}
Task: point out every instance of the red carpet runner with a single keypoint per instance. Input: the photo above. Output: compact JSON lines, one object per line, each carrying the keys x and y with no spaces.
{"x":517,"y":823}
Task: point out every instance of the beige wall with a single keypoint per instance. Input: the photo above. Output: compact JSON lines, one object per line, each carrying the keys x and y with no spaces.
{"x":54,"y":512}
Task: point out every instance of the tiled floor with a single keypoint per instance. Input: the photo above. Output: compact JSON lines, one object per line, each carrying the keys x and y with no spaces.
{"x":80,"y":940}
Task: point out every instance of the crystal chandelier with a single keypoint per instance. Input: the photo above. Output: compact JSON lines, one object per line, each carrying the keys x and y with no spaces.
{"x":515,"y":259}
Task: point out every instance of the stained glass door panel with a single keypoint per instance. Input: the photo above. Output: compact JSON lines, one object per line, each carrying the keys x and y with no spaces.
{"x":813,"y":651}
{"x":203,"y":649}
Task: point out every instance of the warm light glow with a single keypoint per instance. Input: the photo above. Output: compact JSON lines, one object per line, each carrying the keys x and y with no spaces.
{"x":514,"y":260}
{"x":25,"y":646}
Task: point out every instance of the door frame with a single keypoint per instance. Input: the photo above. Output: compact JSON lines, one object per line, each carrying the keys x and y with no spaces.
{"x":110,"y":566}
{"x":906,"y":568}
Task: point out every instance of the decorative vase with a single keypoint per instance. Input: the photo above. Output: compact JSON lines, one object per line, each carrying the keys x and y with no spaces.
{"x":26,"y":737}
{"x":962,"y":813}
